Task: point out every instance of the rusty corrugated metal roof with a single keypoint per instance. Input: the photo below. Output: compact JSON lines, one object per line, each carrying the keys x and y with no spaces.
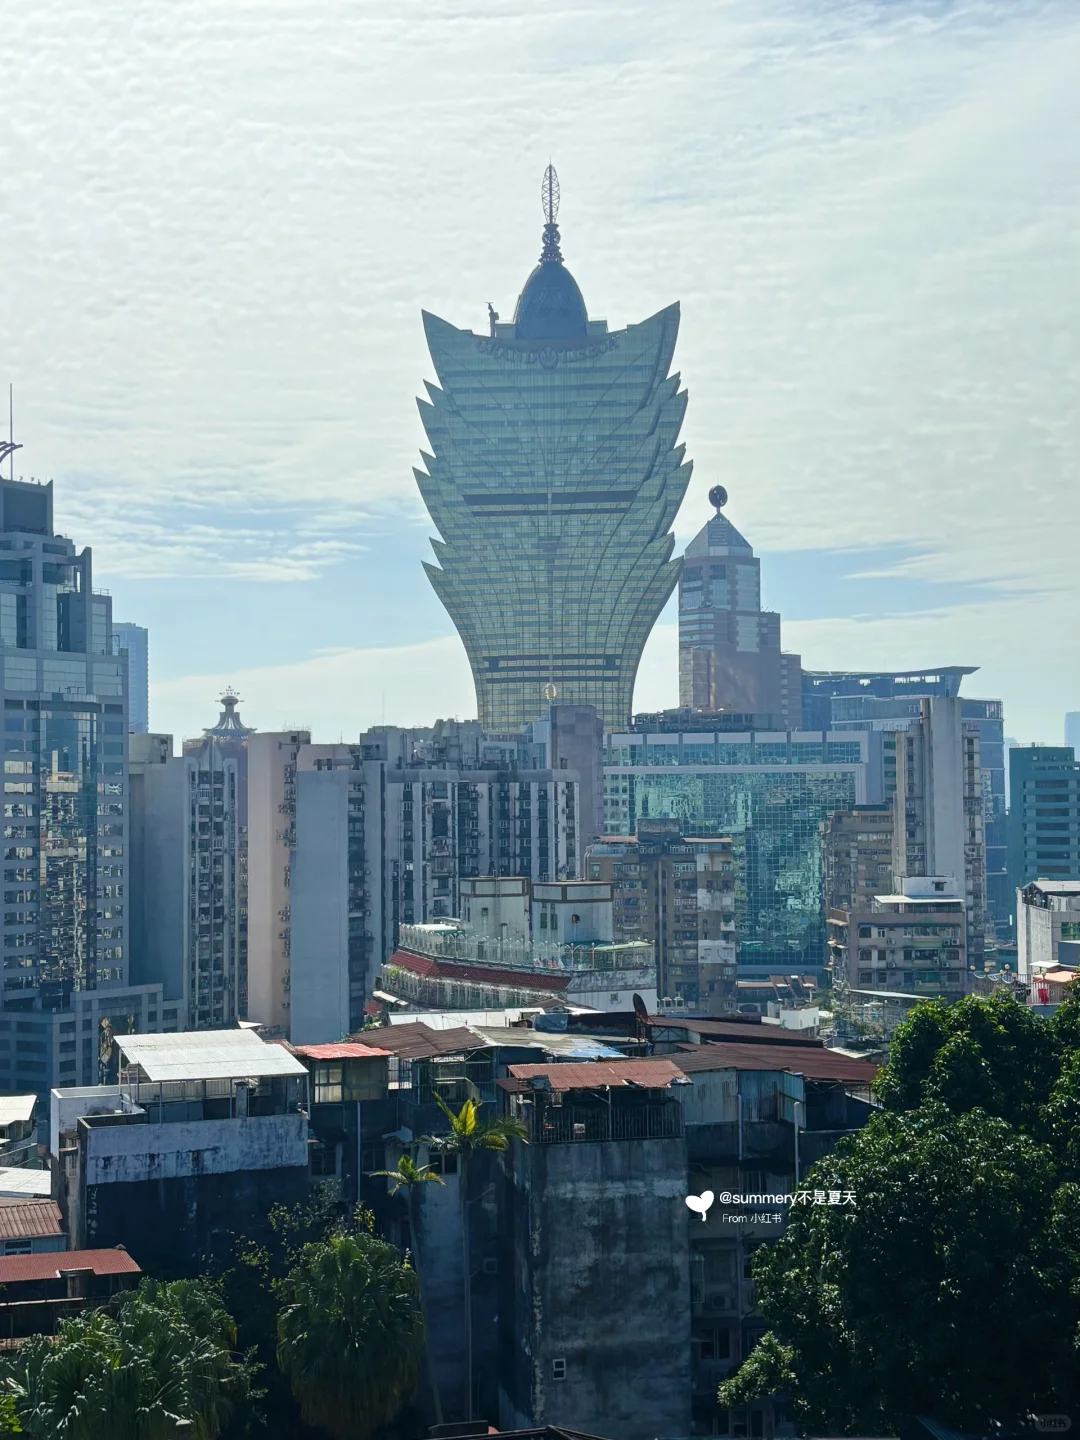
{"x":600,"y":1074}
{"x":28,"y":1219}
{"x":807,"y":1061}
{"x":421,"y":1042}
{"x":343,"y":1050}
{"x":15,"y":1269}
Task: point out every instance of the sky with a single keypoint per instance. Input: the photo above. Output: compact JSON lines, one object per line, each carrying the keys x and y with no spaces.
{"x":222,"y":219}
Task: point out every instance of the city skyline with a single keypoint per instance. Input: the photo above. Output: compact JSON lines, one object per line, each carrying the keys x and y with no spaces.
{"x":873,"y":267}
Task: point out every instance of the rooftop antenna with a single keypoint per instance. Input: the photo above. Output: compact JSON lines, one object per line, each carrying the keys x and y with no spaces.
{"x":550,"y":196}
{"x":8,"y":448}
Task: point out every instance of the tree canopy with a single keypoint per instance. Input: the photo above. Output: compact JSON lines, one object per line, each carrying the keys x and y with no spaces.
{"x":351,"y":1334}
{"x":953,"y":1285}
{"x":160,"y":1354}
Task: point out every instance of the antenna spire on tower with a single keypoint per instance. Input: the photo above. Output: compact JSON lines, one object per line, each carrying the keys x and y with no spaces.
{"x":550,"y":196}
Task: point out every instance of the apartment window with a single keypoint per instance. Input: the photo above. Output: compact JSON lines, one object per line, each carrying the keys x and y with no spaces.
{"x":558,"y":1369}
{"x":329,"y":1084}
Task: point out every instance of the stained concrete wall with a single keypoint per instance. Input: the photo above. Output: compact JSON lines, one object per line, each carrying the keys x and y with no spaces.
{"x":124,"y":1154}
{"x":600,"y":1281}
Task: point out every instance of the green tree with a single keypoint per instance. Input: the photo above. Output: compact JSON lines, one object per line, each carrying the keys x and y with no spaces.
{"x":409,"y":1177}
{"x":160,"y":1354}
{"x":251,"y":1284}
{"x":468,"y":1136}
{"x":994,"y":1055}
{"x":950,"y":1287}
{"x":351,"y":1334}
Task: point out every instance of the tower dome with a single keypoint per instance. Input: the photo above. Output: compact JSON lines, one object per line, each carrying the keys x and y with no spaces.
{"x":550,"y":306}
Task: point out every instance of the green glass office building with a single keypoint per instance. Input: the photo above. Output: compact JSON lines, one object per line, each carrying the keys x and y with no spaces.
{"x":554,"y":478}
{"x":770,"y":792}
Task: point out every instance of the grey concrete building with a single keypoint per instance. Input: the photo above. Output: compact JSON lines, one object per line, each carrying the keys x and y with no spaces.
{"x":940,"y":829}
{"x":271,"y":844}
{"x":913,"y":941}
{"x":384,"y":833}
{"x":189,"y":901}
{"x":729,"y":647}
{"x":1047,"y":927}
{"x":201,"y":1132}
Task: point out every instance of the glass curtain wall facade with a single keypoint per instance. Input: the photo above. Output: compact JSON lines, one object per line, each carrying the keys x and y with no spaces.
{"x":65,"y":764}
{"x":554,"y":478}
{"x":771,"y":795}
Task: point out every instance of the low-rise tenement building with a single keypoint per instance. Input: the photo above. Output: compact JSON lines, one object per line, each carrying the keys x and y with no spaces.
{"x":38,"y":1291}
{"x":656,"y":1289}
{"x":678,"y":891}
{"x":30,"y":1227}
{"x":202,"y":1135}
{"x":1047,"y":927}
{"x":913,"y":942}
{"x":587,"y":1266}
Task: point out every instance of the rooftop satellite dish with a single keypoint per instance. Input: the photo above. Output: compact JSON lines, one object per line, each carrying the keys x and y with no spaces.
{"x":640,"y":1008}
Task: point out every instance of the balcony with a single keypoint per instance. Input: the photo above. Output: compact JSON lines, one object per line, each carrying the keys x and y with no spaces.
{"x":577,"y":1124}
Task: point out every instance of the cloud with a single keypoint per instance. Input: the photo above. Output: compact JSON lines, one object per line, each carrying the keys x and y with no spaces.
{"x":221,"y":223}
{"x":336,"y":695}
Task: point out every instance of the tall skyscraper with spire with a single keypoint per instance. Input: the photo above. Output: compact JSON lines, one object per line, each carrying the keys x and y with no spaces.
{"x":554,"y":478}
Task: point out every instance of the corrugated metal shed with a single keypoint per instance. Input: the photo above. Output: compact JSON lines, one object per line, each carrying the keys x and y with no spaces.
{"x":14,"y":1108}
{"x":597,"y":1075}
{"x":207,"y":1055}
{"x":562,"y":1043}
{"x":344,"y":1050}
{"x":29,"y":1219}
{"x":750,"y":1031}
{"x":812,"y":1063}
{"x":17,"y":1181}
{"x":420,"y":1042}
{"x":58,"y":1263}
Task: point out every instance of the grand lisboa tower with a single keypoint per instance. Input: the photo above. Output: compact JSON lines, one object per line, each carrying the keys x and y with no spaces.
{"x":554,"y":478}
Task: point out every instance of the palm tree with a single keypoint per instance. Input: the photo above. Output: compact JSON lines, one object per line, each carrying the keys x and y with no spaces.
{"x":469,"y":1135}
{"x":351,"y":1335}
{"x":408,"y":1176}
{"x":160,"y":1354}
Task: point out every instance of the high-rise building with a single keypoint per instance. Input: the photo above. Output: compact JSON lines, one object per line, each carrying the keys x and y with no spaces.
{"x":136,"y":641}
{"x":271,"y":847}
{"x":770,"y":791}
{"x":729,"y":647}
{"x":1072,"y":729}
{"x":554,"y":479}
{"x":1044,"y":820}
{"x":377,"y":844}
{"x":892,"y":715}
{"x":939,"y":825}
{"x":679,"y":892}
{"x":188,"y":869}
{"x":64,"y":922}
{"x":820,"y":687}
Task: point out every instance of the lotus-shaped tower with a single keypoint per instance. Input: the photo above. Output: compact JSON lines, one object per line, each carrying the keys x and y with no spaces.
{"x":554,"y":479}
